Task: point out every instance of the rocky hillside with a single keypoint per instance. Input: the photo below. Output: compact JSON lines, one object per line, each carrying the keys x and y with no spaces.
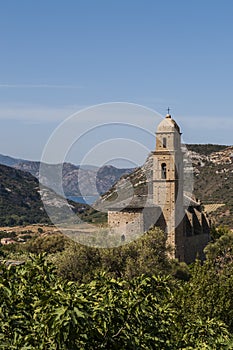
{"x":10,"y":161}
{"x":20,"y":201}
{"x":21,"y":204}
{"x":212,"y":181}
{"x":77,"y":181}
{"x":211,"y":165}
{"x":205,"y":149}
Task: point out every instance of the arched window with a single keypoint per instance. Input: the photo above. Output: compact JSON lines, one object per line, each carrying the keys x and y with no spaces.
{"x":163,"y":171}
{"x":164,"y":142}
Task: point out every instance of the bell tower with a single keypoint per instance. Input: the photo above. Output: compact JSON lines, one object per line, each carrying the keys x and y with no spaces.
{"x":167,"y":183}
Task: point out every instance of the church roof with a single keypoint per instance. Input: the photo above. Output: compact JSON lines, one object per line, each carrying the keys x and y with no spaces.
{"x":143,"y":201}
{"x":168,"y":125}
{"x":137,"y":202}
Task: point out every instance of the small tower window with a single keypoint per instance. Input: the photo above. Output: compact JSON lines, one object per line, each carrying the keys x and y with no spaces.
{"x":164,"y":142}
{"x":163,"y":171}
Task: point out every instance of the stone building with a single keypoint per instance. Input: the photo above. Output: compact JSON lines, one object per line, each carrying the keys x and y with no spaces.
{"x":166,"y":206}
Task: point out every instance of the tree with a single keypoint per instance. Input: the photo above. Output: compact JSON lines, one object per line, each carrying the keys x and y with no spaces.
{"x":41,"y":311}
{"x":147,"y":255}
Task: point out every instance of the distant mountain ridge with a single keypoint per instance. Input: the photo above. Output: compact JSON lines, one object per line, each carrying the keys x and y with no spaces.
{"x":212,"y":168}
{"x":92,"y":180}
{"x":9,"y":161}
{"x":206,"y":149}
{"x":79,"y":181}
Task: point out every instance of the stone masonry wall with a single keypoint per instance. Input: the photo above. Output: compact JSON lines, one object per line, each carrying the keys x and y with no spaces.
{"x":128,"y":222}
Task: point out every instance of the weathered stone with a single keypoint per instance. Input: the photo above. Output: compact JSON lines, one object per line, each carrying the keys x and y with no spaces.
{"x":181,"y":217}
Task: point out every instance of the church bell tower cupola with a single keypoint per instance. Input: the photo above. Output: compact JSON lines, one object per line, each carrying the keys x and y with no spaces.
{"x":168,"y":135}
{"x":168,"y":182}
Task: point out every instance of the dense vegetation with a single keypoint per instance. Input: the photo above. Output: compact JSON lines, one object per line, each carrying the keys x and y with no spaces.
{"x":20,"y":201}
{"x":205,"y":149}
{"x":77,"y":262}
{"x":41,"y":311}
{"x":129,"y":297}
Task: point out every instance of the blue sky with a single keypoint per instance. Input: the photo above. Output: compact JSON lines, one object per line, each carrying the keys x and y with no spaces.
{"x":60,"y":56}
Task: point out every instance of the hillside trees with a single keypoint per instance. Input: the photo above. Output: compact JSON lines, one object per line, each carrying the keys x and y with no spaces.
{"x":220,"y":251}
{"x":146,"y":255}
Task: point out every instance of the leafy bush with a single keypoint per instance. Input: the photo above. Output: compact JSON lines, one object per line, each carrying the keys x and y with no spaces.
{"x":41,"y":311}
{"x":46,"y":244}
{"x":146,"y":255}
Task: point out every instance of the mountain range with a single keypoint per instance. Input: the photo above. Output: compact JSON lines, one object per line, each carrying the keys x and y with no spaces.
{"x":211,"y":165}
{"x":76,"y":180}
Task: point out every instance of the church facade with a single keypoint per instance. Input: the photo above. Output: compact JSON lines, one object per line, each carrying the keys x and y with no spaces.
{"x":166,"y":206}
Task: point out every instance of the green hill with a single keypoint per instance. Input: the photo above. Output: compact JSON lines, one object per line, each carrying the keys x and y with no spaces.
{"x":21,"y":204}
{"x":20,"y":201}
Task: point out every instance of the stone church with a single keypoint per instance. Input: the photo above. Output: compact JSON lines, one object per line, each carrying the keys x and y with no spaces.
{"x":166,"y":205}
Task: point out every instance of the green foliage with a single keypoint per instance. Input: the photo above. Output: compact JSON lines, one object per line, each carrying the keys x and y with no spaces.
{"x":45,"y":244}
{"x":21,"y":289}
{"x":141,"y":301}
{"x":93,"y":216}
{"x":217,"y":232}
{"x":180,"y":270}
{"x":77,"y":262}
{"x":146,"y":255}
{"x":200,"y":334}
{"x":135,"y":315}
{"x":5,"y":234}
{"x":207,"y":295}
{"x":41,"y":311}
{"x":220,"y":252}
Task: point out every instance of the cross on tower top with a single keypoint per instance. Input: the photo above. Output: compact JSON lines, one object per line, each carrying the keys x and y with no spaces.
{"x":168,"y":113}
